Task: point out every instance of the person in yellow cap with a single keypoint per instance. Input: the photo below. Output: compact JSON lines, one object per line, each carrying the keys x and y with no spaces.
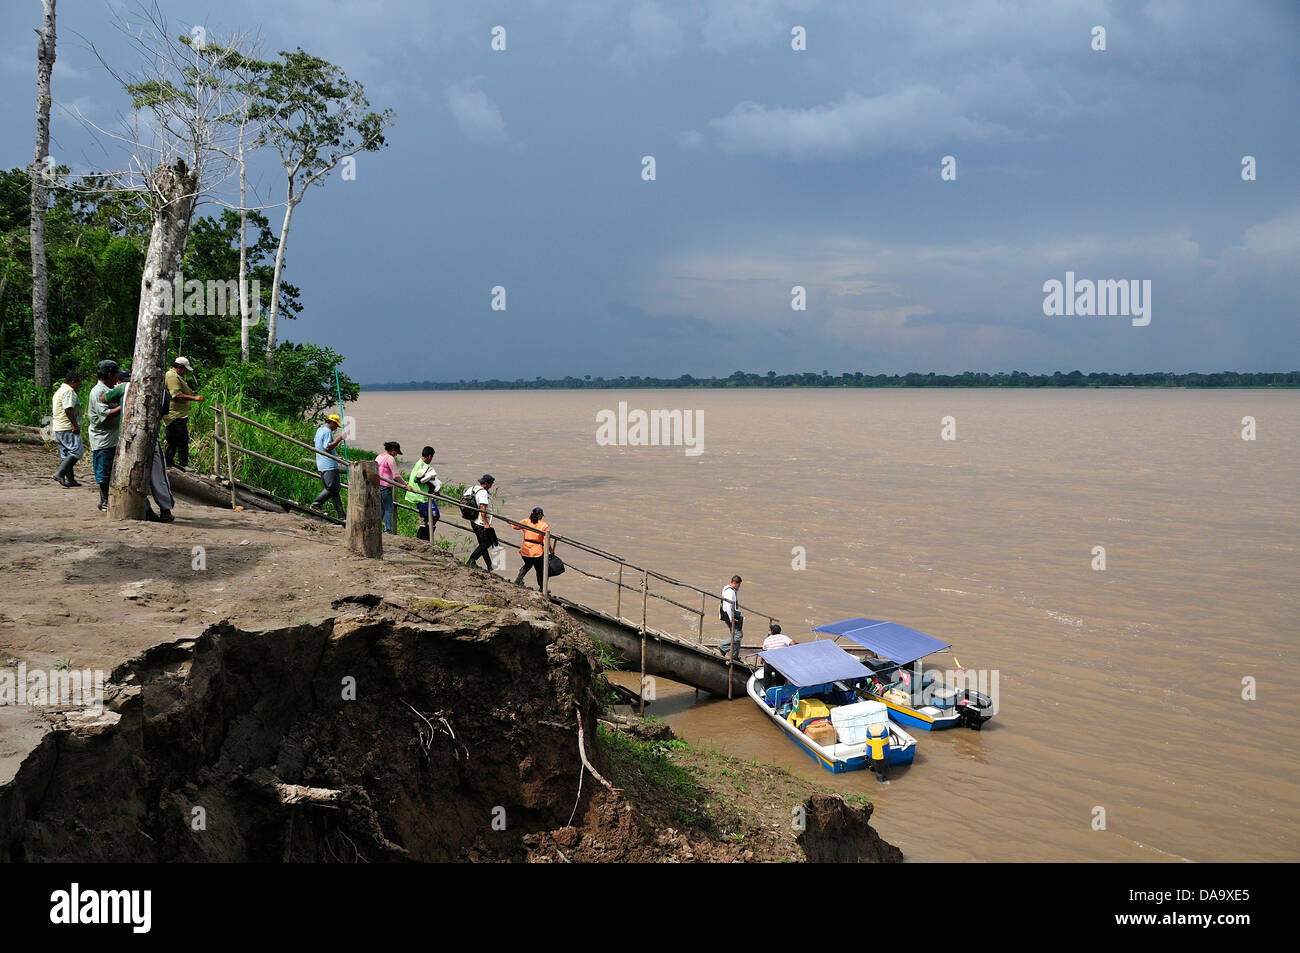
{"x":328,"y":467}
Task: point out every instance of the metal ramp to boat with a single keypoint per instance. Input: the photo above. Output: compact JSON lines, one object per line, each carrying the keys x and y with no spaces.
{"x":666,"y":655}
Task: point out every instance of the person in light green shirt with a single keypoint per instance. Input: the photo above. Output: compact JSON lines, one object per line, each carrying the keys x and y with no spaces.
{"x":104,"y":428}
{"x":424,"y":478}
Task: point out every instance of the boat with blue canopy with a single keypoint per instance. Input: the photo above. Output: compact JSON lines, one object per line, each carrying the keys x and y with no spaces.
{"x":914,"y":697}
{"x":815,"y":693}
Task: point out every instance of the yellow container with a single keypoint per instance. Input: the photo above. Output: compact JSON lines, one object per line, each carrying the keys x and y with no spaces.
{"x":809,"y":708}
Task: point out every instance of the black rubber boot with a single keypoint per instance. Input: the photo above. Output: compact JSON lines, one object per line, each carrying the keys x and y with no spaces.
{"x":103,"y":496}
{"x":61,"y":474}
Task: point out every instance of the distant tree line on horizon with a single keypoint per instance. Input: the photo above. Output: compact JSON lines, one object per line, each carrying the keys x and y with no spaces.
{"x":858,"y":379}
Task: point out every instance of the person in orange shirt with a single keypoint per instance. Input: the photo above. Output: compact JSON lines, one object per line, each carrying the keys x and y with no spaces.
{"x":531,"y":551}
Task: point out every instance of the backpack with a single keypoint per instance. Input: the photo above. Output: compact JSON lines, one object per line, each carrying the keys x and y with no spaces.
{"x":166,"y":401}
{"x":469,"y":504}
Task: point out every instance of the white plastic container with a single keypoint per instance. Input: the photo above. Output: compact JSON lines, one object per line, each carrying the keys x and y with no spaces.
{"x":851,"y":721}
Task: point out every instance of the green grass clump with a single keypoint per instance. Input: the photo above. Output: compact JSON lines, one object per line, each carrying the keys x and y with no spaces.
{"x":650,"y":764}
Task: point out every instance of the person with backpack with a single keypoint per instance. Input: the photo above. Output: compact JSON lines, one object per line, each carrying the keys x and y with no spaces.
{"x":476,"y":506}
{"x":424,"y":479}
{"x":729,"y":612}
{"x":532,"y":550}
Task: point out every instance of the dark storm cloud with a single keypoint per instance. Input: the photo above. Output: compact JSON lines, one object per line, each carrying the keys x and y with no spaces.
{"x":775,"y":168}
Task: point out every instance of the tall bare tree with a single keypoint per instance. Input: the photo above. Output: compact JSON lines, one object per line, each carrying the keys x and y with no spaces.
{"x":315,"y":117}
{"x":40,"y":169}
{"x":178,"y":139}
{"x":246,"y":73}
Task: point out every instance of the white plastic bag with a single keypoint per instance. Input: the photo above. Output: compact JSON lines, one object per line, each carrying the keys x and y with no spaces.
{"x":498,"y":556}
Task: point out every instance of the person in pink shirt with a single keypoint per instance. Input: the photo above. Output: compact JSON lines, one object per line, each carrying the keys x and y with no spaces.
{"x":389,"y":478}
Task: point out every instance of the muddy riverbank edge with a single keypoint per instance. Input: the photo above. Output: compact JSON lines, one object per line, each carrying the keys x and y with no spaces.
{"x":272,"y":697}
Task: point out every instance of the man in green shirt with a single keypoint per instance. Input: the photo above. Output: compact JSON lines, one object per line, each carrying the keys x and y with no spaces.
{"x":159,"y":486}
{"x":177,"y":420}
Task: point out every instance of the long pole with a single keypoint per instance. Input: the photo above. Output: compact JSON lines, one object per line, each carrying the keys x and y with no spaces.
{"x":645,"y":589}
{"x":731,"y":646}
{"x":618,"y":604}
{"x":338,"y":389}
{"x":546,"y":564}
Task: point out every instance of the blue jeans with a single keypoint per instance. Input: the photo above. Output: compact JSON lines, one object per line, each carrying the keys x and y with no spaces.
{"x":70,"y":445}
{"x":103,"y":460}
{"x":386,"y":501}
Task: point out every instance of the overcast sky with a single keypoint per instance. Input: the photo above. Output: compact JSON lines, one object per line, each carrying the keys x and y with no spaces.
{"x":774,"y":168}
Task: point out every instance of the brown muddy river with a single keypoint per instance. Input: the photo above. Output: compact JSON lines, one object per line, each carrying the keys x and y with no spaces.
{"x":1120,"y":690}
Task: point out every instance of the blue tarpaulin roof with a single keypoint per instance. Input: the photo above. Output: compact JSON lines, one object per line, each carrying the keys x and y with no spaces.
{"x":889,"y":640}
{"x":814,"y":663}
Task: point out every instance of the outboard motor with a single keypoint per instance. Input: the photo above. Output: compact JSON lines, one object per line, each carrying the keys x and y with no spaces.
{"x":974,"y":708}
{"x":878,"y":749}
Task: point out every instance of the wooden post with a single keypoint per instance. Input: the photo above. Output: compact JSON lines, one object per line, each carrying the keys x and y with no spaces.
{"x":645,"y":596}
{"x":365,"y":529}
{"x":546,"y":564}
{"x":704,"y":604}
{"x":230,"y":466}
{"x":618,"y":605}
{"x":216,"y":440}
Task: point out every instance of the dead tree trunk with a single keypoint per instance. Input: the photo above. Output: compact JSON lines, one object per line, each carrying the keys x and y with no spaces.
{"x":173,"y":191}
{"x":40,"y":169}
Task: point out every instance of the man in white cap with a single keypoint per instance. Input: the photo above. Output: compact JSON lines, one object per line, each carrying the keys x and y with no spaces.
{"x":177,"y":419}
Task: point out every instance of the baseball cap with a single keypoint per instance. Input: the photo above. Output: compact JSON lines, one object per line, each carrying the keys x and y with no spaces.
{"x":537,"y":511}
{"x":107,"y":367}
{"x":183,"y":362}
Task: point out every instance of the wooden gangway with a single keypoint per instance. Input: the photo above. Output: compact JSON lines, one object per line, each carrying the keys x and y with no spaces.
{"x":692,"y":661}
